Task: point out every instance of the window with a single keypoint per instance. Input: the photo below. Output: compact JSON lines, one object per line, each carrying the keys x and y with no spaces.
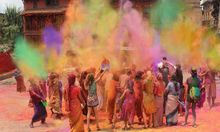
{"x":51,"y":2}
{"x":35,"y":3}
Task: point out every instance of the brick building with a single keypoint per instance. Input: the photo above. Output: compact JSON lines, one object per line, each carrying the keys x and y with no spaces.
{"x":38,"y":13}
{"x":211,"y":14}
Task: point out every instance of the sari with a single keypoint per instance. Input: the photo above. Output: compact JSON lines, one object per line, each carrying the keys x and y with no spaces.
{"x":159,"y":92}
{"x":40,"y":112}
{"x":171,"y":108}
{"x":149,"y":101}
{"x":111,"y":99}
{"x":74,"y":108}
{"x":138,"y":92}
{"x":55,"y":96}
{"x":128,"y":107}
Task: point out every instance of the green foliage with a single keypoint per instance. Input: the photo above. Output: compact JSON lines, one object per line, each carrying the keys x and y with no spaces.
{"x":10,"y":28}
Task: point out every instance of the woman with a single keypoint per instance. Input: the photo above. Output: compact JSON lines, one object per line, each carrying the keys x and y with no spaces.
{"x":149,"y":101}
{"x":55,"y":95}
{"x":179,"y":79}
{"x":82,"y":79}
{"x":138,"y":92}
{"x":171,"y":104}
{"x":37,"y":98}
{"x":210,"y":86}
{"x":159,"y":87}
{"x":111,"y":98}
{"x":92,"y":100}
{"x":73,"y":101}
{"x":128,"y":106}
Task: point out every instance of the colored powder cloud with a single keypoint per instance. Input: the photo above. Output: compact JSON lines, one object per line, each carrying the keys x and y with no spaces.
{"x":53,"y":39}
{"x":29,"y":60}
{"x":165,"y":13}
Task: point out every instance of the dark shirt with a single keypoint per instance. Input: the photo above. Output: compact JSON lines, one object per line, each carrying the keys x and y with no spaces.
{"x":193,"y":82}
{"x":165,"y":74}
{"x":179,"y":77}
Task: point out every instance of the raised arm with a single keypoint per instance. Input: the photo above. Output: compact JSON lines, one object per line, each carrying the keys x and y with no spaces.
{"x":32,"y":93}
{"x":123,"y":95}
{"x":99,"y":77}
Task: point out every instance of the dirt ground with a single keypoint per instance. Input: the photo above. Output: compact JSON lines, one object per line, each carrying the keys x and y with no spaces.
{"x":15,"y":116}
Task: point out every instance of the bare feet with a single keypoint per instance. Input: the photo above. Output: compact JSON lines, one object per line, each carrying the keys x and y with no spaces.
{"x":194,"y":125}
{"x":31,"y":125}
{"x":184,"y":124}
{"x":98,"y":128}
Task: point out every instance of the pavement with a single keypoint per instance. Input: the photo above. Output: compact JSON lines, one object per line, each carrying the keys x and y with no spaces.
{"x":15,"y":116}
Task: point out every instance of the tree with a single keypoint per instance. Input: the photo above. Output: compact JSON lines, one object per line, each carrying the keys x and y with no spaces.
{"x":10,"y":27}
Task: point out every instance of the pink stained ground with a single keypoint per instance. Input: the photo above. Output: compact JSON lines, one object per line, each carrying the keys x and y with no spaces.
{"x":15,"y":116}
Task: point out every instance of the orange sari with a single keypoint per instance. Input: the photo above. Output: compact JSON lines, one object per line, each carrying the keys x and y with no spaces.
{"x":75,"y":115}
{"x":111,"y":99}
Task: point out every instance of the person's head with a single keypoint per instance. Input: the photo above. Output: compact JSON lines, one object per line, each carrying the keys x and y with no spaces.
{"x":115,"y":77}
{"x":193,"y":72}
{"x":32,"y":81}
{"x":149,"y":74}
{"x":53,"y":75}
{"x":129,"y":72}
{"x":126,"y":5}
{"x":90,"y":79}
{"x":178,"y":66}
{"x":159,"y":76}
{"x":164,"y":60}
{"x":173,"y":78}
{"x":83,"y":75}
{"x":138,"y":75}
{"x":71,"y":79}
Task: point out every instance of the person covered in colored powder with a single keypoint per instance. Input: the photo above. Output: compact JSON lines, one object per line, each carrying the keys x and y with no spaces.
{"x":37,"y":98}
{"x":208,"y":76}
{"x":159,"y":88}
{"x":92,"y":100}
{"x":192,"y":81}
{"x":172,"y":97}
{"x":138,"y":92}
{"x":55,"y":95}
{"x":128,"y":106}
{"x":179,"y":79}
{"x":111,"y":98}
{"x":149,"y":100}
{"x":73,"y":101}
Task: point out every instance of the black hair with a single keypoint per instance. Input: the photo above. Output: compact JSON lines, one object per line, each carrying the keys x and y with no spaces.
{"x":164,"y":58}
{"x":193,"y":72}
{"x":174,"y":80}
{"x":129,"y":73}
{"x":138,"y":75}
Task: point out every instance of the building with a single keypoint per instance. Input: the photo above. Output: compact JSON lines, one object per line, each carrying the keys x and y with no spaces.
{"x":194,"y":11}
{"x":211,"y":14}
{"x":38,"y":14}
{"x":141,"y":5}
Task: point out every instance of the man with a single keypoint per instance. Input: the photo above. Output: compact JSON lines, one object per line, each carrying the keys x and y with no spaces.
{"x":192,"y":81}
{"x":165,"y":70}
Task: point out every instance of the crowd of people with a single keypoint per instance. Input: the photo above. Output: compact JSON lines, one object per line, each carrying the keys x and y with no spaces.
{"x":150,"y":95}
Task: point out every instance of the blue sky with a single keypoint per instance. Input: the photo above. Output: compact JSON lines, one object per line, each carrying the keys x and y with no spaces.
{"x":5,"y":3}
